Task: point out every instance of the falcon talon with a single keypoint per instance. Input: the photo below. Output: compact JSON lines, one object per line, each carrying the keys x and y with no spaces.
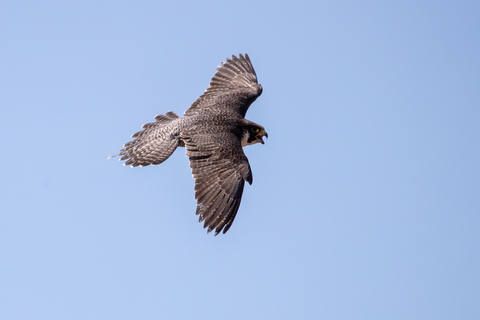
{"x":214,"y":131}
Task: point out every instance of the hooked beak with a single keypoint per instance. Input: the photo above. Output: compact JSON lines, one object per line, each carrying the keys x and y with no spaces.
{"x":260,"y":136}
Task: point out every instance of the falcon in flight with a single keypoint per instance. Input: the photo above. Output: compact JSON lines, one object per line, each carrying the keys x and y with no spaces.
{"x":214,"y":131}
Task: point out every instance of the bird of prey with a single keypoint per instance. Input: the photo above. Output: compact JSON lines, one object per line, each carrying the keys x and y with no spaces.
{"x":214,"y":131}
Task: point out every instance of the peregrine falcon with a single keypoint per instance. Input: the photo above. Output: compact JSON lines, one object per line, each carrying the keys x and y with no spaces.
{"x":213,"y":131}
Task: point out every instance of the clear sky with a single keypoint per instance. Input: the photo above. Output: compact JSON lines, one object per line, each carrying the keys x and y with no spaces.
{"x":366,"y":196}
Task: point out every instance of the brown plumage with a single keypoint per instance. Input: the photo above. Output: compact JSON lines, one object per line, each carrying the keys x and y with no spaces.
{"x":213,"y":130}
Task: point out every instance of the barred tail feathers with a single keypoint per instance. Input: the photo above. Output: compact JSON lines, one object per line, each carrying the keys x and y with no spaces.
{"x":155,"y":143}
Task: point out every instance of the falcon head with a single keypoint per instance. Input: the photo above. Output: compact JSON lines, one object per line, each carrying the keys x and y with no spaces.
{"x":253,"y":133}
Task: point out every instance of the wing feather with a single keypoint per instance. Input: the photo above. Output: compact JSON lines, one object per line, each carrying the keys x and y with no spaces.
{"x":220,"y":169}
{"x":234,"y":87}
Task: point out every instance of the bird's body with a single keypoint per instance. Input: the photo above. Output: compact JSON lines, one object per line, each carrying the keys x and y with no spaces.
{"x":213,"y":130}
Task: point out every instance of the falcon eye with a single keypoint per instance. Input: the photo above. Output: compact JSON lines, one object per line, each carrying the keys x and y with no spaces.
{"x":255,"y":130}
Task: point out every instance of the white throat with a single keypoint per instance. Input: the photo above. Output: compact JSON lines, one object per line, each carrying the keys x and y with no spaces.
{"x":245,"y":140}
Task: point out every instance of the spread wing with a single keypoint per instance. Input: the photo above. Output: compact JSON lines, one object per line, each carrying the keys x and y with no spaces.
{"x":234,"y":87}
{"x":220,"y":169}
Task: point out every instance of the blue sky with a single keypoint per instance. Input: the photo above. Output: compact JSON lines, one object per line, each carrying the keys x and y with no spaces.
{"x":365,"y":202}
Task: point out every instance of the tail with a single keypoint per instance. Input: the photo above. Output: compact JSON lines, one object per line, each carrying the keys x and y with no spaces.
{"x":154,"y":144}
